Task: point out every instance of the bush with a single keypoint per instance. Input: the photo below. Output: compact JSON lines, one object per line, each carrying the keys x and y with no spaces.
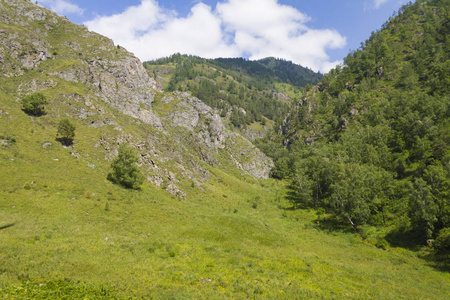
{"x":66,"y":132}
{"x":442,"y":242}
{"x":34,"y":104}
{"x":124,"y":169}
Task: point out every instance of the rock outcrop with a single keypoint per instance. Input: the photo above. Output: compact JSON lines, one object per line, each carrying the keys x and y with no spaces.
{"x":212,"y":134}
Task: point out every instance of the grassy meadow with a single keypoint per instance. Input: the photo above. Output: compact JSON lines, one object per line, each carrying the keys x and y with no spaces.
{"x":76,"y":235}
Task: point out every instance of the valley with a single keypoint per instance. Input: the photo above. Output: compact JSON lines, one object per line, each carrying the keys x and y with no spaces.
{"x":262,"y":179}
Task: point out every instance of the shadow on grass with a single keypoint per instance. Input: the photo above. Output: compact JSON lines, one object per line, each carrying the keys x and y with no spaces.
{"x":332,"y":224}
{"x":7,"y":226}
{"x":323,"y":222}
{"x":292,"y":197}
{"x":65,"y":142}
{"x":413,"y":241}
{"x":403,"y":238}
{"x":438,"y":261}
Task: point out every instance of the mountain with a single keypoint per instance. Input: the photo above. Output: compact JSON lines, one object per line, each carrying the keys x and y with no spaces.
{"x":206,"y":223}
{"x":371,"y":142}
{"x":252,"y":95}
{"x":97,"y":84}
{"x":272,"y":70}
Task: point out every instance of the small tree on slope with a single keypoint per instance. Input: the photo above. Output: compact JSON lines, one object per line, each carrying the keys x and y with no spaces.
{"x":124,"y":169}
{"x":66,"y":132}
{"x":34,"y":104}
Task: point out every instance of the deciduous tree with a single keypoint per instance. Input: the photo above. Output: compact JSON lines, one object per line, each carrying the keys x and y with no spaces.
{"x":66,"y":132}
{"x":124,"y":169}
{"x":34,"y":104}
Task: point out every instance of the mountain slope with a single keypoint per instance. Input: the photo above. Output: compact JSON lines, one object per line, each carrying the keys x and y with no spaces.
{"x":271,"y":70}
{"x":94,"y":83}
{"x":251,"y":94}
{"x":371,"y":142}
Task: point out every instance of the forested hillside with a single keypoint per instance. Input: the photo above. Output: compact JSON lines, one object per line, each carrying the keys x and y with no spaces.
{"x":370,"y":143}
{"x":245,"y":91}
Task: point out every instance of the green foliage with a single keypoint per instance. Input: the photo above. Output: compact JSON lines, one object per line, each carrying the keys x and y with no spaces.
{"x":34,"y":104}
{"x":124,"y":169}
{"x":442,"y":242}
{"x":374,"y":134}
{"x":233,"y":85}
{"x":65,"y":132}
{"x":270,"y":70}
{"x":358,"y":191}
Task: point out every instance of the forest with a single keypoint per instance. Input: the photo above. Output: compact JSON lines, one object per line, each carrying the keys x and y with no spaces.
{"x":369,"y":145}
{"x":246,"y":90}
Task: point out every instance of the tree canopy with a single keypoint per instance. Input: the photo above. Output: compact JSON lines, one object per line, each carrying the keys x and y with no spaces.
{"x":247,"y":91}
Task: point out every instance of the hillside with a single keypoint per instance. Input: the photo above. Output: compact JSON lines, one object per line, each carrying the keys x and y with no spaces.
{"x":252,"y":95}
{"x":370,"y":144}
{"x":207,"y":223}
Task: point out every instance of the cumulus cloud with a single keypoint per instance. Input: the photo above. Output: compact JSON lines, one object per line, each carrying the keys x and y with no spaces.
{"x":249,"y":28}
{"x":62,"y":7}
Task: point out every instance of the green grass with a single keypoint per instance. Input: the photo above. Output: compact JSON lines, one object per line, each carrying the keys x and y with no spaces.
{"x":77,"y":234}
{"x":291,"y":91}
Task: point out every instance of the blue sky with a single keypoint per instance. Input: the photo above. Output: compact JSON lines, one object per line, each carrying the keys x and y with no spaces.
{"x":314,"y":33}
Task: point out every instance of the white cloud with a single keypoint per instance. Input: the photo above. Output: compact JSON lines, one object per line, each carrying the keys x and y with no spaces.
{"x":129,"y":25}
{"x":249,"y":28}
{"x":378,"y":3}
{"x":62,"y":7}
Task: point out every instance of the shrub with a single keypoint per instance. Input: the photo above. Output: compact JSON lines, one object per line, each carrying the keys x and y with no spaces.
{"x":442,"y":243}
{"x":66,"y":132}
{"x":124,"y":169}
{"x":34,"y":104}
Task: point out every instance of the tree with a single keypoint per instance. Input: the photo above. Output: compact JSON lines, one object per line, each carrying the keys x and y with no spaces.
{"x":34,"y":104}
{"x":423,"y":209}
{"x":66,"y":132}
{"x":124,"y":169}
{"x":359,"y":192}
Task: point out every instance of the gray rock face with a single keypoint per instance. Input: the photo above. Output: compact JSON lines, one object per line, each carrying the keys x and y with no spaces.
{"x":185,"y":115}
{"x":252,"y":135}
{"x":114,"y":75}
{"x":213,"y":135}
{"x":124,"y":84}
{"x":247,"y":157}
{"x":26,"y":49}
{"x":47,"y":145}
{"x":27,"y":11}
